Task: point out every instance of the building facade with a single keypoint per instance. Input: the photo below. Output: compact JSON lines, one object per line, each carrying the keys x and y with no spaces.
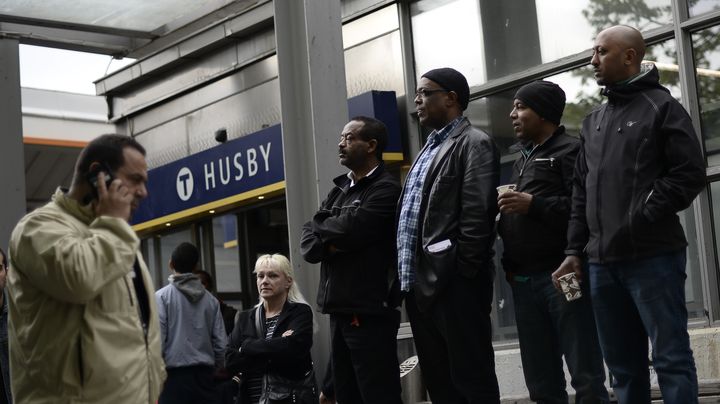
{"x":239,"y":78}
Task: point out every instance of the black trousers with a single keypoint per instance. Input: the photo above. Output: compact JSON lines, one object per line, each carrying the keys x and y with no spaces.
{"x":189,"y":385}
{"x":453,"y":339}
{"x":364,"y":358}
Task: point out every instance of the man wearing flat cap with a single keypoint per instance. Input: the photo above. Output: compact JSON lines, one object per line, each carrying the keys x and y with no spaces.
{"x":445,"y":240}
{"x":533,"y":225}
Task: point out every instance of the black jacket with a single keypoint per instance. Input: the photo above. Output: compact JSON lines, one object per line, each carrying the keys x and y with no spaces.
{"x":535,"y":242}
{"x":640,"y":163}
{"x":459,"y":204}
{"x":287,"y":356}
{"x":360,"y":276}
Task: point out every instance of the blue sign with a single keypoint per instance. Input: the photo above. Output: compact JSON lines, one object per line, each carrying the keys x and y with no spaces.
{"x":238,"y":166}
{"x":381,"y":105}
{"x":244,"y":164}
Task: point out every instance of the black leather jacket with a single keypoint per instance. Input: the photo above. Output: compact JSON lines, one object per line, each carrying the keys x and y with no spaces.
{"x":459,"y":204}
{"x":287,"y":356}
{"x":359,"y":275}
{"x":640,"y":163}
{"x":535,"y":242}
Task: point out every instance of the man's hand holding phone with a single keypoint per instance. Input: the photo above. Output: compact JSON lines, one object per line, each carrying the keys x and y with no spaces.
{"x":115,"y":200}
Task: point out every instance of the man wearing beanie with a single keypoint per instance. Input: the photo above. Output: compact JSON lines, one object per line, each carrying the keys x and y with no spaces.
{"x":445,"y":240}
{"x":533,"y":226}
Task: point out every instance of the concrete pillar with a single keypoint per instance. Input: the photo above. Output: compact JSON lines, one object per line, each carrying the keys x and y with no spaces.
{"x":314,"y":109}
{"x":12,"y":170}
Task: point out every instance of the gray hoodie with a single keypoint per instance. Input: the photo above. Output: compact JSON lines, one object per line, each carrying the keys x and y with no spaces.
{"x":190,"y":285}
{"x":191,"y":325}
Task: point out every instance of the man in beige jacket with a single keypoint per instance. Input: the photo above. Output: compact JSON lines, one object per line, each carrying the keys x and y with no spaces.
{"x":83,"y":320}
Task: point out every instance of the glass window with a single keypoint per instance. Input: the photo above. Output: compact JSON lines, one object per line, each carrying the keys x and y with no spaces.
{"x":373,"y":56}
{"x":492,"y":114}
{"x":148,"y":248}
{"x":706,"y":51}
{"x":447,"y":33}
{"x":715,"y":197}
{"x":375,"y":65}
{"x":698,"y":7}
{"x":577,"y":22}
{"x":372,"y":25}
{"x":168,"y":242}
{"x":227,"y":258}
{"x":490,"y":39}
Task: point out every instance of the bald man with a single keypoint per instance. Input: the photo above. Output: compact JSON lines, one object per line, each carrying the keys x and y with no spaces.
{"x":639,"y":164}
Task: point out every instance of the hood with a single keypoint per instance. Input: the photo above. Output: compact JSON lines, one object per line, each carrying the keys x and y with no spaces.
{"x":189,"y":285}
{"x":648,"y":78}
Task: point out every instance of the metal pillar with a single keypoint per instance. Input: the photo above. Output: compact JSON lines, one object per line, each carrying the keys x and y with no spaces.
{"x":700,"y":215}
{"x":12,"y":172}
{"x":313,"y":104}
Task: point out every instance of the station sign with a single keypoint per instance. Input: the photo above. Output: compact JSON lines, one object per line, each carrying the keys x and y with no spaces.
{"x":237,"y":169}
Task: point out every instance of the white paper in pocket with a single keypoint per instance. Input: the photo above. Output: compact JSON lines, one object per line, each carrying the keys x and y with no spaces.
{"x":440,"y":246}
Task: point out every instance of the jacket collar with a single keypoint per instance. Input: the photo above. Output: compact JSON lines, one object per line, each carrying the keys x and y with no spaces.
{"x":648,"y":78}
{"x":343,"y":182}
{"x":446,"y":146}
{"x":84,"y":213}
{"x":288,"y":307}
{"x":520,"y":146}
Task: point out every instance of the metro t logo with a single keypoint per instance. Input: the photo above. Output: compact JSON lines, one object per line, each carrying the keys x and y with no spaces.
{"x":184,"y":183}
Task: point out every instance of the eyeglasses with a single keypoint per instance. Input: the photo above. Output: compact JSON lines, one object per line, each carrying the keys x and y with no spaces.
{"x":425,"y":93}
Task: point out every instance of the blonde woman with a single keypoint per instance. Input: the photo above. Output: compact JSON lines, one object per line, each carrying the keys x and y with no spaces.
{"x":270,"y":344}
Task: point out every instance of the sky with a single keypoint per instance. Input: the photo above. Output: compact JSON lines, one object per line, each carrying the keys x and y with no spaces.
{"x":63,"y":70}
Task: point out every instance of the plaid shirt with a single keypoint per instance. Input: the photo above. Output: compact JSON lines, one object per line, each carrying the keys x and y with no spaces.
{"x":407,"y":232}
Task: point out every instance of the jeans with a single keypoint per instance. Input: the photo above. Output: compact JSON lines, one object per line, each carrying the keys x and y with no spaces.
{"x":550,"y":327}
{"x":634,"y":300}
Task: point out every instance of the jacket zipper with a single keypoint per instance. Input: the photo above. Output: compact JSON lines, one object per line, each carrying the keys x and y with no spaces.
{"x":551,"y":160}
{"x":606,"y":139}
{"x":527,"y":159}
{"x":633,"y":205}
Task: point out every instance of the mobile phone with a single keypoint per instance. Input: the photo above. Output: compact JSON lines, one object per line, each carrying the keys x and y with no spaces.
{"x":92,"y":177}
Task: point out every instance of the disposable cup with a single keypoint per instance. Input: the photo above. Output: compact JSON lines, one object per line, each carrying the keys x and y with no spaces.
{"x":505,"y":188}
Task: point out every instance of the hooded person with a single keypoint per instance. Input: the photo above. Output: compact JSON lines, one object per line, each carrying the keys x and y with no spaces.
{"x":193,"y":333}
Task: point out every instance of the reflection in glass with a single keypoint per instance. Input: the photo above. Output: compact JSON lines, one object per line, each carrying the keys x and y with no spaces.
{"x":227,"y":258}
{"x":370,"y":26}
{"x":447,"y":33}
{"x":492,"y":114}
{"x":491,"y":39}
{"x":706,"y":51}
{"x":148,"y":248}
{"x":715,"y":197}
{"x":375,"y":65}
{"x":569,"y":27}
{"x":698,"y":7}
